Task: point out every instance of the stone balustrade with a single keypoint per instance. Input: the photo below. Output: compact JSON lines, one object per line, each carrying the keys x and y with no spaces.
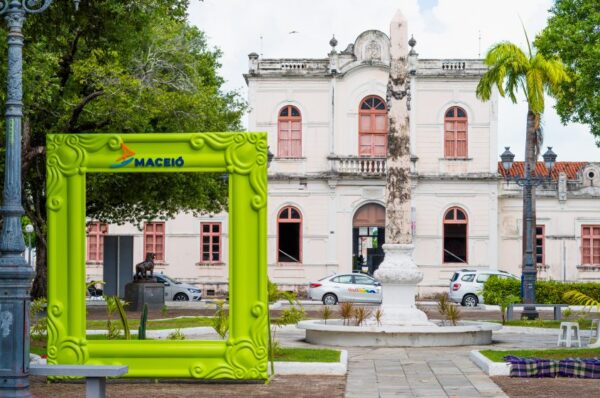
{"x":363,"y":166}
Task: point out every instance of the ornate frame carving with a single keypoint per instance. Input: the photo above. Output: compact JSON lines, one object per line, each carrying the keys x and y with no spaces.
{"x":244,"y":156}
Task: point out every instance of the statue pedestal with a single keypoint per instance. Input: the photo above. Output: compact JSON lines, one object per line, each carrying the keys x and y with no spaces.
{"x":147,"y":292}
{"x":399,"y":277}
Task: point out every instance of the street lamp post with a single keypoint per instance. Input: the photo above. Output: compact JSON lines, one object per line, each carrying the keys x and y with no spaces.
{"x":29,"y":231}
{"x":528,"y":181}
{"x":15,"y":273}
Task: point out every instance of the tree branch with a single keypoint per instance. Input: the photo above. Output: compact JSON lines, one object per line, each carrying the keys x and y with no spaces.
{"x":67,"y":60}
{"x":79,"y":108}
{"x":90,"y":126}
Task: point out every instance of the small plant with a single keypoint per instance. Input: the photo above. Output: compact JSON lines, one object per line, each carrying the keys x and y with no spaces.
{"x":220,"y":322}
{"x":143,"y":321}
{"x":378,"y":315}
{"x":567,"y":313}
{"x":39,"y":323}
{"x":346,"y":311}
{"x":453,"y":314}
{"x":576,"y":297}
{"x":326,"y":314}
{"x":361,"y":314}
{"x":443,"y":303}
{"x":176,"y":335}
{"x":164,"y":311}
{"x":115,"y":304}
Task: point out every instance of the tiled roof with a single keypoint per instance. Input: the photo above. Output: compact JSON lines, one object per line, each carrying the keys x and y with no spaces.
{"x":570,"y":168}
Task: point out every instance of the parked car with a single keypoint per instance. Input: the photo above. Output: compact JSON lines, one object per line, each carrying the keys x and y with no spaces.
{"x":466,"y":285}
{"x":178,"y":291}
{"x":358,"y":288}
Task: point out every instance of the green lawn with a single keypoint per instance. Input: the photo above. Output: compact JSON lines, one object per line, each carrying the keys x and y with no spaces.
{"x":550,"y":324}
{"x":155,"y":324}
{"x":307,"y":355}
{"x":557,"y":353}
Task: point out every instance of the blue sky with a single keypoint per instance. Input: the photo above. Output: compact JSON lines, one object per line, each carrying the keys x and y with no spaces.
{"x":442,"y":28}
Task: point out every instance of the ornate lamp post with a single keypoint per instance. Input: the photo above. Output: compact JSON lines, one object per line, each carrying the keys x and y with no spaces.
{"x":528,"y":182}
{"x":15,"y":273}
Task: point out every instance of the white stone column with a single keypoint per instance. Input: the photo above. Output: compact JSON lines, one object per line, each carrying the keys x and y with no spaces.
{"x":398,"y":272}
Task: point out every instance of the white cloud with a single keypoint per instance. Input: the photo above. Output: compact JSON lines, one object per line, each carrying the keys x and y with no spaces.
{"x":448,"y":29}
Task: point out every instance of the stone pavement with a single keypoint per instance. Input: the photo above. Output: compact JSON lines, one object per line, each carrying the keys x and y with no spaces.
{"x":423,"y":372}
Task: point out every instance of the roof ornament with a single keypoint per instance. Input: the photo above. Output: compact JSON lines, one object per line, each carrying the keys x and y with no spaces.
{"x":412,"y":42}
{"x":333,"y":42}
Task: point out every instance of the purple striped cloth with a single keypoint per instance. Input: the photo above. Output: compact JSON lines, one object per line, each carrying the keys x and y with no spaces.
{"x":587,"y":368}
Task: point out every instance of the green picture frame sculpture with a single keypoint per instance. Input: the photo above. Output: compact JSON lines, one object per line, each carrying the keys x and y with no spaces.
{"x":70,"y":157}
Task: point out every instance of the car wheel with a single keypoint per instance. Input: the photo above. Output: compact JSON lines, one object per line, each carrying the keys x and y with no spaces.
{"x":330,"y":299}
{"x":181,"y":297}
{"x":470,"y":300}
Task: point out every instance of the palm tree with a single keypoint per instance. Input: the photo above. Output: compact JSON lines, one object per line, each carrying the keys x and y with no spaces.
{"x":511,"y":70}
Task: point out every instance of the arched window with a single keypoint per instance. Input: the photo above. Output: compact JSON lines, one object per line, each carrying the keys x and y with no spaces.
{"x":455,"y":236}
{"x":372,"y":127}
{"x":289,"y":235}
{"x":289,"y":136}
{"x":455,"y":133}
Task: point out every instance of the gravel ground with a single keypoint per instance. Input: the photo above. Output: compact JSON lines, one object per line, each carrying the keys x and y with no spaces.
{"x":548,"y":388}
{"x":279,"y":386}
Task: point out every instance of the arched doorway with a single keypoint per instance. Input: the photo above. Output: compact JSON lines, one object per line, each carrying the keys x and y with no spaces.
{"x":368,"y":236}
{"x":455,"y":236}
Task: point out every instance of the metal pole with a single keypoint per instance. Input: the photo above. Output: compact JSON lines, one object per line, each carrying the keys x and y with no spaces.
{"x":529,"y":266}
{"x":29,"y":249}
{"x":15,"y":274}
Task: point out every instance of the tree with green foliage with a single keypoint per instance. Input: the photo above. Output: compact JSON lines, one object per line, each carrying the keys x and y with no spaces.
{"x":511,"y":70}
{"x":126,"y":67}
{"x":573,"y":34}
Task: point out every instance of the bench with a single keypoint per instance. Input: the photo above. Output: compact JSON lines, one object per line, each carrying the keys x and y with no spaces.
{"x":557,"y":309}
{"x":95,"y":382}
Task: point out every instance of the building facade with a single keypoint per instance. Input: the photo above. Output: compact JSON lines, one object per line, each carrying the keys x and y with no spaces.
{"x":327,"y":125}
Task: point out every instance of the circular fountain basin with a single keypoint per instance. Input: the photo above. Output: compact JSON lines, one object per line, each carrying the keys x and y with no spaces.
{"x":335,"y":333}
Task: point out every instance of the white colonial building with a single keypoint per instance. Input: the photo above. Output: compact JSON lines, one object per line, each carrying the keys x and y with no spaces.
{"x":327,"y":125}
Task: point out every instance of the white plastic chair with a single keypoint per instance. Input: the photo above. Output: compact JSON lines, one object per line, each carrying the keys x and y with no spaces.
{"x":569,"y":334}
{"x":594,"y":334}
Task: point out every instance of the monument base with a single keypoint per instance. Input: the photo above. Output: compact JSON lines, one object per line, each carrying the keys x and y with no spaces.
{"x":399,"y":277}
{"x":139,"y":293}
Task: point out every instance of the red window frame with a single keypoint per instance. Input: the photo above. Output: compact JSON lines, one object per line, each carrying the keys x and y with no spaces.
{"x":372,"y":127}
{"x":209,"y":232}
{"x":95,"y":241}
{"x":540,"y":236}
{"x":590,"y":245}
{"x":285,"y":216}
{"x":456,"y":220}
{"x":455,"y":133}
{"x":154,"y":240}
{"x":289,"y":132}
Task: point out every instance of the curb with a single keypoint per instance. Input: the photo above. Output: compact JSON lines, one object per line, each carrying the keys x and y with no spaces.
{"x":314,"y":368}
{"x":490,"y":367}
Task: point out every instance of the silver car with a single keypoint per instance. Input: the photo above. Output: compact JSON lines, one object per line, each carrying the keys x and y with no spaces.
{"x":178,"y":291}
{"x":358,"y":288}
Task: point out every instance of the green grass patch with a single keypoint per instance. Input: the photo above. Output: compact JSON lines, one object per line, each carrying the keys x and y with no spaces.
{"x":556,"y":353}
{"x":156,"y":324}
{"x":307,"y":355}
{"x":549,"y":324}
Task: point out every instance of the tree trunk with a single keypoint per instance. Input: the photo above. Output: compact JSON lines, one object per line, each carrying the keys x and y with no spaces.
{"x":40,"y":282}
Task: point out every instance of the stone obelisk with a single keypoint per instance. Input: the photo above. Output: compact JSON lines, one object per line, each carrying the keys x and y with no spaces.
{"x":398,"y":272}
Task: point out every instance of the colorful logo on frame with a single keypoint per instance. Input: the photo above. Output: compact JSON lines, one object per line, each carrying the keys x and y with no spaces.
{"x":128,"y":157}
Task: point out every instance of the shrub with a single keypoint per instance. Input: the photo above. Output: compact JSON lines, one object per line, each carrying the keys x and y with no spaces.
{"x":220,"y":322}
{"x":176,"y":335}
{"x":361,"y":314}
{"x":346,"y":311}
{"x":378,"y":315}
{"x":39,"y":321}
{"x":453,"y":314}
{"x":326,"y":314}
{"x":546,"y":292}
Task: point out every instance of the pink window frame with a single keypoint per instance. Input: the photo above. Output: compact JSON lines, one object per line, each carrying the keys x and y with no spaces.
{"x":454,"y":152}
{"x":281,"y":220}
{"x":592,"y":238}
{"x":543,"y":237}
{"x":150,"y":230}
{"x":211,"y":234}
{"x":289,"y":119}
{"x":372,"y":113}
{"x":455,"y":220}
{"x":96,"y":230}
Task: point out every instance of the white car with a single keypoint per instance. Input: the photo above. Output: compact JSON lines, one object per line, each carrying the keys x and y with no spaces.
{"x":466,"y":285}
{"x":358,"y":288}
{"x":178,"y":291}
